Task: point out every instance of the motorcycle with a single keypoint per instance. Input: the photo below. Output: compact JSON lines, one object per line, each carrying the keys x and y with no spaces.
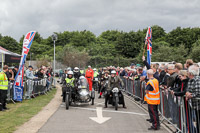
{"x":115,"y":97}
{"x":68,"y":95}
{"x":83,"y":93}
{"x":79,"y":94}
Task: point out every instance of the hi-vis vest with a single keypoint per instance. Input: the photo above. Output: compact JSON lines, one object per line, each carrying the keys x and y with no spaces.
{"x":3,"y":81}
{"x":153,"y":97}
{"x":70,"y":81}
{"x":95,"y":74}
{"x":82,"y":71}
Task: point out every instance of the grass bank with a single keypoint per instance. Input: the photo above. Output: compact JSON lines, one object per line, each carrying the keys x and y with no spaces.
{"x":20,"y":113}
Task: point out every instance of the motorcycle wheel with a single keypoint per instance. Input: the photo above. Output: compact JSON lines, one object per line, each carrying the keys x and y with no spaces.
{"x":116,"y":104}
{"x":92,"y":101}
{"x":67,"y":101}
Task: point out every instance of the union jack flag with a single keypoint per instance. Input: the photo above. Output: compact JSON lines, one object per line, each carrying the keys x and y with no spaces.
{"x":18,"y":84}
{"x":148,"y":41}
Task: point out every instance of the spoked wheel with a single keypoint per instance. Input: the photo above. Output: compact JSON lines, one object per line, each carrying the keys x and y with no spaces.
{"x":67,"y":101}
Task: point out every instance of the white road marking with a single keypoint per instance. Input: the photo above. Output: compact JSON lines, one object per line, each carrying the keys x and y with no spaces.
{"x":100,"y":119}
{"x":99,"y":103}
{"x":122,"y":112}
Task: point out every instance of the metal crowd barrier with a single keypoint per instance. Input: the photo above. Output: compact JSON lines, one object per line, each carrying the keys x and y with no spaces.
{"x":175,"y":110}
{"x":32,"y":88}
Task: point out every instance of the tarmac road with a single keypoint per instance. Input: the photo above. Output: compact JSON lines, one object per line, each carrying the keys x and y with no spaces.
{"x":83,"y":119}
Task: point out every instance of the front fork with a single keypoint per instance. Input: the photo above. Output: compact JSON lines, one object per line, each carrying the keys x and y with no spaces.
{"x":116,"y":97}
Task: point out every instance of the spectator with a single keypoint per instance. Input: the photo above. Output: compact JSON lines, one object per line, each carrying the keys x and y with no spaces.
{"x":142,"y":74}
{"x":124,"y":72}
{"x":181,"y":90}
{"x":132,"y":66}
{"x":121,"y":70}
{"x":132,"y":74}
{"x":163,"y":83}
{"x":178,"y":68}
{"x":29,"y":73}
{"x":193,"y":91}
{"x":173,"y":75}
{"x":170,"y":86}
{"x":162,"y":72}
{"x":15,"y":70}
{"x":118,"y":70}
{"x":189,"y":62}
{"x":40,"y":74}
{"x":10,"y":74}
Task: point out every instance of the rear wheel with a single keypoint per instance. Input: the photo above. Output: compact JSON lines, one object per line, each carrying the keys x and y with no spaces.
{"x":67,"y":101}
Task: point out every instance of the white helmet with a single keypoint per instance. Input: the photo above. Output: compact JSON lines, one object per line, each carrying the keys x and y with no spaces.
{"x":113,"y":72}
{"x":94,"y":69}
{"x":69,"y":69}
{"x":76,"y":69}
{"x":81,"y":77}
{"x":70,"y":73}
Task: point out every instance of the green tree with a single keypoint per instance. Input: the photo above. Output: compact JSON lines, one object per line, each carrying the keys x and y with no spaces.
{"x":168,"y":54}
{"x":195,"y":52}
{"x":10,"y":44}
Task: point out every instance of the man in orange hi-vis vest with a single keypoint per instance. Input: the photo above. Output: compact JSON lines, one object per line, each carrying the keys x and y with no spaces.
{"x":152,"y":98}
{"x":89,"y":74}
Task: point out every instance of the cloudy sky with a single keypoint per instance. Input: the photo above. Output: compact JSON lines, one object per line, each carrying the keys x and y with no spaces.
{"x":17,"y":17}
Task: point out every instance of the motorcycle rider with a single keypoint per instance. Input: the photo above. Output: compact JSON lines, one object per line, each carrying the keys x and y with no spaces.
{"x":114,"y":81}
{"x":64,"y":76}
{"x":77,"y":73}
{"x":82,"y":71}
{"x":103,"y":84}
{"x":69,"y":80}
{"x":95,"y":82}
{"x":95,"y":73}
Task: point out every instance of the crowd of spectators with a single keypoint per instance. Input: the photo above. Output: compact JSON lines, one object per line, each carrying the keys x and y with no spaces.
{"x":42,"y":72}
{"x":180,"y":80}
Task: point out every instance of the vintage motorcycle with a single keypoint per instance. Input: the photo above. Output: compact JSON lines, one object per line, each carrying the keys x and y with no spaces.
{"x":80,"y":93}
{"x":115,"y":97}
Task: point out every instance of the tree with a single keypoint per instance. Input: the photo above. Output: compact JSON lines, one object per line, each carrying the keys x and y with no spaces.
{"x":185,"y":36}
{"x":168,"y":54}
{"x":195,"y":54}
{"x":110,"y":36}
{"x":10,"y":44}
{"x":129,"y":44}
{"x":70,"y":56}
{"x":158,"y":33}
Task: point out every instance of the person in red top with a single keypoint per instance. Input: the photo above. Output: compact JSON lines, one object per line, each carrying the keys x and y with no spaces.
{"x":89,"y":74}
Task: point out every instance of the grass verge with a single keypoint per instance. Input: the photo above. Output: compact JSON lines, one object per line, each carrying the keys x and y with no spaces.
{"x":20,"y":113}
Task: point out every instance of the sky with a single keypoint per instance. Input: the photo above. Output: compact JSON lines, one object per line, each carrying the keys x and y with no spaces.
{"x":17,"y":17}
